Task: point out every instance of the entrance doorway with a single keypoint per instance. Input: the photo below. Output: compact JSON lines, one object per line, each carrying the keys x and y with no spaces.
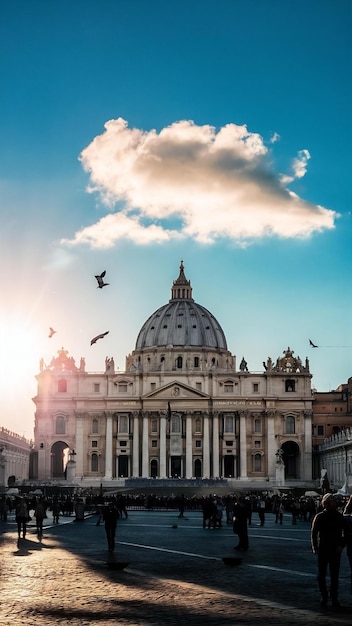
{"x":122,"y":466}
{"x":154,"y":468}
{"x":175,"y":467}
{"x":59,"y":458}
{"x":198,"y":468}
{"x":290,"y":458}
{"x":229,"y":466}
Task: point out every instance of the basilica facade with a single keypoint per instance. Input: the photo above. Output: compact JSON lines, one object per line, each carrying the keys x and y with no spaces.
{"x":183,"y":408}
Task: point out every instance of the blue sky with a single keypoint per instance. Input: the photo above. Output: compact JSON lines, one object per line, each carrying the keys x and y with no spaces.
{"x":138,"y":133}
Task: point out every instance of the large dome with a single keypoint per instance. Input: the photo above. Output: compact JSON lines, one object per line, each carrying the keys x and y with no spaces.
{"x":182,"y":322}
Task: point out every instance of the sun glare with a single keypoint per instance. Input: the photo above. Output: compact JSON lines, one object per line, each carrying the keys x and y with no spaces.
{"x":19,"y":363}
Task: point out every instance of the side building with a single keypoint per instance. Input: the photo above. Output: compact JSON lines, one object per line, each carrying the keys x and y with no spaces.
{"x":182,"y":408}
{"x":14,"y":458}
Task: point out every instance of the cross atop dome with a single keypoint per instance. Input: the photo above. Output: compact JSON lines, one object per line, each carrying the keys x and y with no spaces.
{"x":181,"y":288}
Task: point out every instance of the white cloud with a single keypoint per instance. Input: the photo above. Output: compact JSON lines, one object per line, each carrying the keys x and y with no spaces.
{"x":215,"y":184}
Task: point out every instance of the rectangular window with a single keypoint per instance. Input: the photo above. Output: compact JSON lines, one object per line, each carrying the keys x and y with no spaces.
{"x":228,"y":387}
{"x":229,"y":443}
{"x":123,"y":424}
{"x":96,"y":387}
{"x":228,"y":425}
{"x":60,"y":425}
{"x":257,"y":444}
{"x":94,"y":444}
{"x":198,"y":443}
{"x":321,"y":430}
{"x":123,"y":444}
{"x":154,"y":443}
{"x":290,"y":425}
{"x":199,"y":386}
{"x":257,"y":426}
{"x":154,"y":426}
{"x":175,"y":424}
{"x":198,"y":426}
{"x":122,"y":387}
{"x":152,"y":386}
{"x":255,"y":387}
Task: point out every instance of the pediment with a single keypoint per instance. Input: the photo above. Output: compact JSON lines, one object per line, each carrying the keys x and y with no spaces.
{"x":122,"y":378}
{"x":177,"y":391}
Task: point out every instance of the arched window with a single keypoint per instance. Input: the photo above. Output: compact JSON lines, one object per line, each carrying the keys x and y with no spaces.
{"x":60,"y":425}
{"x":62,"y":385}
{"x":290,"y":425}
{"x":257,"y":463}
{"x":95,"y":426}
{"x":179,"y":362}
{"x":94,"y":462}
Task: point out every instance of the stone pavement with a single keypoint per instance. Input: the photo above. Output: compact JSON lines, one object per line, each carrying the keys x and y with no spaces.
{"x":174,"y":575}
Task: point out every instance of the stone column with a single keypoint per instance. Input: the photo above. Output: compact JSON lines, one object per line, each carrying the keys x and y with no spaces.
{"x":79,"y":449}
{"x":307,"y":459}
{"x":145,"y":442}
{"x":189,"y":471}
{"x":243,"y":445}
{"x":206,"y":447}
{"x":162,"y":461}
{"x":135,"y":444}
{"x":216,"y":472}
{"x":272,"y":443}
{"x":108,"y":447}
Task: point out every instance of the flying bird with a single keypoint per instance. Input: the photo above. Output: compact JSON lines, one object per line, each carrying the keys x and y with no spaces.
{"x":100,"y":279}
{"x":51,"y":332}
{"x":312,"y":344}
{"x":95,"y":339}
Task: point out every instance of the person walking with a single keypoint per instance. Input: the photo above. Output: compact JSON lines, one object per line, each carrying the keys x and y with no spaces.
{"x":347,"y":514}
{"x":181,"y":505}
{"x":22,"y":517}
{"x":40,"y":515}
{"x":240,"y":526}
{"x":279,"y":512}
{"x":328,"y":541}
{"x":261,"y":510}
{"x":110,"y":517}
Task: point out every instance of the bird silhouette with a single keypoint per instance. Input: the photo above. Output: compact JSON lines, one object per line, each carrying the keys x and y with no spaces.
{"x":312,"y":344}
{"x":95,"y":339}
{"x":100,"y":279}
{"x":51,"y":332}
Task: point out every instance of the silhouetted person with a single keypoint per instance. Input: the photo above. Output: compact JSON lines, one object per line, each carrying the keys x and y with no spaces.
{"x":240,"y":527}
{"x":328,"y":541}
{"x":347,"y":514}
{"x":181,"y":505}
{"x":110,"y":517}
{"x":40,"y":515}
{"x":22,"y":517}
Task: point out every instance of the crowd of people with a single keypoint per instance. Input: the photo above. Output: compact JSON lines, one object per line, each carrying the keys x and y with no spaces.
{"x":329,"y":519}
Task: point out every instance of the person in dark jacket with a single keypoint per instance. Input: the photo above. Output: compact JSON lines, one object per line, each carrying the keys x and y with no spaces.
{"x":328,"y":541}
{"x":347,"y":514}
{"x":110,"y":517}
{"x":240,"y":527}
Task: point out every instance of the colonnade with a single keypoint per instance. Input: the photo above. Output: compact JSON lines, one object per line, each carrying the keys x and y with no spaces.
{"x":180,"y":444}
